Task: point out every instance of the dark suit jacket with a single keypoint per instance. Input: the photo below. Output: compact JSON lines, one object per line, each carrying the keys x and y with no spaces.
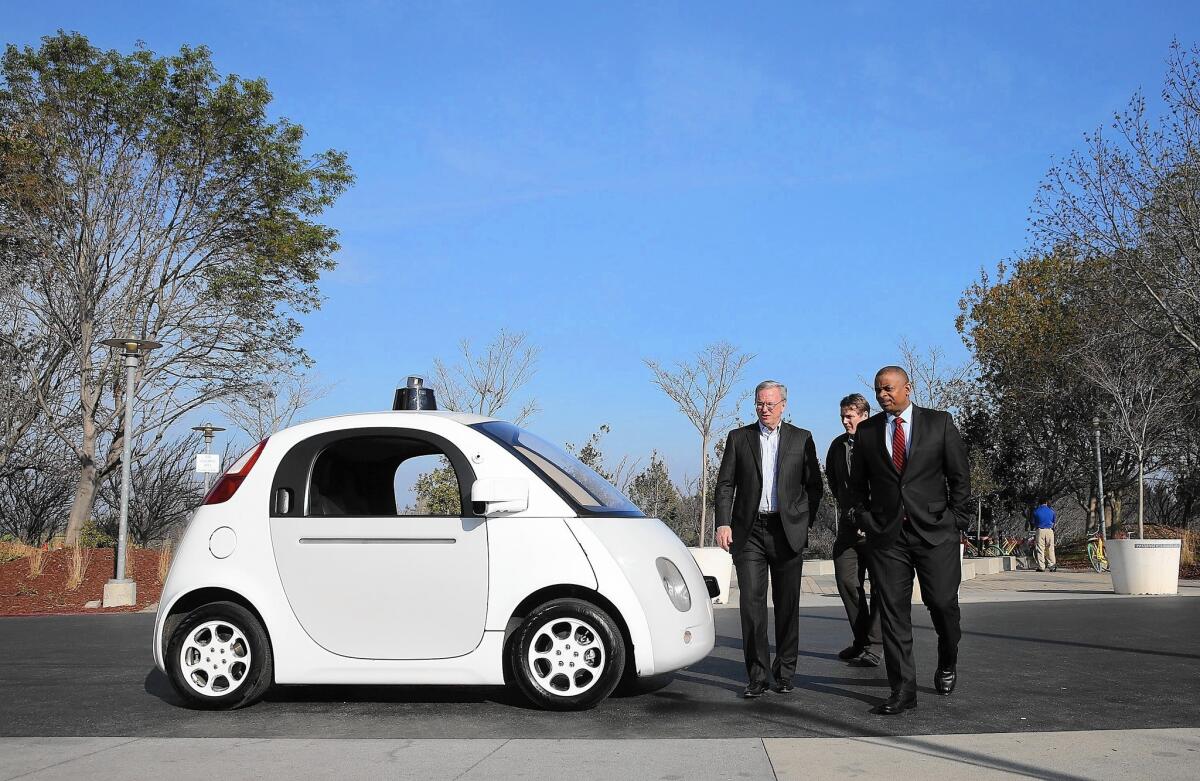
{"x":797,"y":483}
{"x":933,"y":490}
{"x":837,"y":472}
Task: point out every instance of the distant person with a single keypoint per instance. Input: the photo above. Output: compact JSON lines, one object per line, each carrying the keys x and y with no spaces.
{"x":1044,"y":519}
{"x":850,"y":545}
{"x":768,"y":491}
{"x":909,"y":482}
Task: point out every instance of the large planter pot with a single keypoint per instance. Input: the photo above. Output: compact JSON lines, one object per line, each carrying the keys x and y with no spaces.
{"x":719,"y":564}
{"x":1144,"y":566}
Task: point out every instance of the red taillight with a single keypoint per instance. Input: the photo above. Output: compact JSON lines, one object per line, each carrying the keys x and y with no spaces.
{"x":228,"y":483}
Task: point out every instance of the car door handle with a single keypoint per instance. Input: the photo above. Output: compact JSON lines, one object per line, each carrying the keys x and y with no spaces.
{"x":377,"y":540}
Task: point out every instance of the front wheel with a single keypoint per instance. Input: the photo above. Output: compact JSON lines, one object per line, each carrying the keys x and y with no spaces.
{"x":219,"y":657}
{"x":567,"y":655}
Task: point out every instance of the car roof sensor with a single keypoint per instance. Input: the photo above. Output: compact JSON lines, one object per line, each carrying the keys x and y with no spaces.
{"x":414,"y":396}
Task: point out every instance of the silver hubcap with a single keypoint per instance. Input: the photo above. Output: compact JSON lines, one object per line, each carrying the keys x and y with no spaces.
{"x":566,"y":657}
{"x":215,"y":658}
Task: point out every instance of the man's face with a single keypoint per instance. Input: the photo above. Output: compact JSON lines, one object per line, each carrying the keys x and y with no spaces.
{"x":892,"y":392}
{"x":851,"y":417}
{"x":768,"y":405}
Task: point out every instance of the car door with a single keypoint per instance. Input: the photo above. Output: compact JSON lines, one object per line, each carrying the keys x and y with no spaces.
{"x":380,"y":559}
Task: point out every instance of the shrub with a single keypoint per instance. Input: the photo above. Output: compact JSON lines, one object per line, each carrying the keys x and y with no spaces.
{"x":36,"y":562}
{"x":92,"y":536}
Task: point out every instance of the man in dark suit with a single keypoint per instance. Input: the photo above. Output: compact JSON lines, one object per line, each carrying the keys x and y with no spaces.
{"x":768,"y":491}
{"x":850,"y":554}
{"x":910,"y":482}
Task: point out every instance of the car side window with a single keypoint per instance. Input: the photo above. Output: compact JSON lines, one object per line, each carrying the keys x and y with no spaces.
{"x":380,"y":476}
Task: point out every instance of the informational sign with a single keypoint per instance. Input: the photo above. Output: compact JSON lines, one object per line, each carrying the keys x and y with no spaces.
{"x":208,"y":463}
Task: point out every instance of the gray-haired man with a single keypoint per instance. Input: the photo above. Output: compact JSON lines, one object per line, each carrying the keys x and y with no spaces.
{"x":768,"y":490}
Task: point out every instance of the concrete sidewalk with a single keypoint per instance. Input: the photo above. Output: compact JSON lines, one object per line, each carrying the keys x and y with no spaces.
{"x":819,"y":589}
{"x":1114,"y":754}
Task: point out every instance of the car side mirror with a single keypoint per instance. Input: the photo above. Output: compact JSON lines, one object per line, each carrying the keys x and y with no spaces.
{"x":497,"y":495}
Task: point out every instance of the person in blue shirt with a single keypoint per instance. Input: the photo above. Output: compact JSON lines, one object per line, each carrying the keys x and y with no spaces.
{"x":1044,"y":519}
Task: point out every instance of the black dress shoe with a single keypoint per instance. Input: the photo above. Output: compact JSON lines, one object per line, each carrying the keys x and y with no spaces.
{"x":785,"y":687}
{"x":852,"y":652}
{"x":755,"y":690}
{"x":897,"y":704}
{"x":944,"y":680}
{"x":867,"y":659}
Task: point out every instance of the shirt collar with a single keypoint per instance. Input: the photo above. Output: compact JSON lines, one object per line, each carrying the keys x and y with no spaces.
{"x":766,"y":432}
{"x":906,"y":415}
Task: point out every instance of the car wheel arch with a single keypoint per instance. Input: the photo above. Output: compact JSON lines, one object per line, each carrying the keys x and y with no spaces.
{"x":566,"y":591}
{"x":203,"y":596}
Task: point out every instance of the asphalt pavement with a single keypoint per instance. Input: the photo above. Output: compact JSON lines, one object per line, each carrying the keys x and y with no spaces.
{"x":1066,"y":678}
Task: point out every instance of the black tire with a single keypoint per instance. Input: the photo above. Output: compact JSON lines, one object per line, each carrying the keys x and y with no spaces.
{"x":567,"y":654}
{"x":225,"y":680}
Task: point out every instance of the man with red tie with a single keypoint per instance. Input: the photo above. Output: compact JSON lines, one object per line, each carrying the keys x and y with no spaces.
{"x":910,"y":481}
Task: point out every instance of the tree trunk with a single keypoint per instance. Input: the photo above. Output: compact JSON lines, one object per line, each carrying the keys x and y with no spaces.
{"x":85,"y":500}
{"x":1141,"y":498}
{"x":703,"y":486}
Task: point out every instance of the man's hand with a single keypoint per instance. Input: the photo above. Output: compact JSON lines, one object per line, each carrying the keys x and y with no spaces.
{"x":724,"y":537}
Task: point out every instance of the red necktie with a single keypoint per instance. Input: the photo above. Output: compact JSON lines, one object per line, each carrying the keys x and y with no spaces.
{"x":899,"y":456}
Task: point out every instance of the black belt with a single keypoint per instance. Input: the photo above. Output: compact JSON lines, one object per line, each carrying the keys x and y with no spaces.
{"x":768,"y":516}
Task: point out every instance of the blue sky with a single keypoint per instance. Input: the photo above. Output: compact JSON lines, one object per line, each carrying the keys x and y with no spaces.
{"x":625,"y":182}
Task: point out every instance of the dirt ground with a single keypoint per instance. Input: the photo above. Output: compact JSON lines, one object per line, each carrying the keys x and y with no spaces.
{"x":22,"y":595}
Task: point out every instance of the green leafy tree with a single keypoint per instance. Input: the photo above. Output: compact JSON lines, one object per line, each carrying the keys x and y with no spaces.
{"x":151,"y":197}
{"x":653,"y":491}
{"x":437,"y":491}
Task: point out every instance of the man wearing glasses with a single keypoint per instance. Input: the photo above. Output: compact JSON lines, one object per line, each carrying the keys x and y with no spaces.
{"x":768,"y":491}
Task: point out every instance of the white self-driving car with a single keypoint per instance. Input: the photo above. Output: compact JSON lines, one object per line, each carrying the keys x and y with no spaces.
{"x":424,"y":547}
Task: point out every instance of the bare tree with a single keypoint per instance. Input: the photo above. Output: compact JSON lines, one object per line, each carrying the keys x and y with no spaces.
{"x":936,"y":384}
{"x":486,"y":384}
{"x":700,"y":389}
{"x":273,"y":403}
{"x":163,"y":494}
{"x":1131,"y":369}
{"x":1129,"y":203}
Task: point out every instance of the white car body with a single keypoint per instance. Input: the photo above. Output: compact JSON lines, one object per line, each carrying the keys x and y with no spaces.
{"x":407,"y":599}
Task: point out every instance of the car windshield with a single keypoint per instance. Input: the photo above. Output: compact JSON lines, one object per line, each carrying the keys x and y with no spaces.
{"x":573,"y":479}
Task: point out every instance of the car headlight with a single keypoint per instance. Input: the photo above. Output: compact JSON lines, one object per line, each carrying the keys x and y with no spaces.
{"x":674,"y":584}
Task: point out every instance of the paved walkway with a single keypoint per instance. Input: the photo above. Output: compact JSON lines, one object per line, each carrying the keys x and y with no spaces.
{"x":1013,"y":586}
{"x":1117,"y":754}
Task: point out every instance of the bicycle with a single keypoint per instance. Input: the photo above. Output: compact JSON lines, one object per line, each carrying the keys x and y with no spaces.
{"x":1095,"y":551}
{"x":970,"y":549}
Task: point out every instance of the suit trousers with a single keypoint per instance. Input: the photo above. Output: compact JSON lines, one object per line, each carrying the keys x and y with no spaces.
{"x":939,"y":571}
{"x":766,"y":549}
{"x":850,"y":565}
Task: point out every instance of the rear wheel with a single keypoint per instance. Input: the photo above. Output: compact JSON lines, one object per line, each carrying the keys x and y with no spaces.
{"x":567,"y":655}
{"x":1096,"y":556}
{"x":219,"y":657}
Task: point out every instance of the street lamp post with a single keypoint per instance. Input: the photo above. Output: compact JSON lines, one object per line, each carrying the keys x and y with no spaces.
{"x":208,"y":430}
{"x":120,"y":590}
{"x":1099,"y":479}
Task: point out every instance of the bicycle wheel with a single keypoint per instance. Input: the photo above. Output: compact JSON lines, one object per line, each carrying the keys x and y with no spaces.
{"x":993,"y":550}
{"x":1096,"y":555}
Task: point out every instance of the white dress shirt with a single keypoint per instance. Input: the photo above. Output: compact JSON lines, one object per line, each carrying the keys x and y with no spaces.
{"x":906,"y":416}
{"x":768,"y":440}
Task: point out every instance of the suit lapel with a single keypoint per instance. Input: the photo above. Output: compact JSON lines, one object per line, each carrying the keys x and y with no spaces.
{"x":883,"y":450}
{"x":912,"y":432}
{"x":753,"y":441}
